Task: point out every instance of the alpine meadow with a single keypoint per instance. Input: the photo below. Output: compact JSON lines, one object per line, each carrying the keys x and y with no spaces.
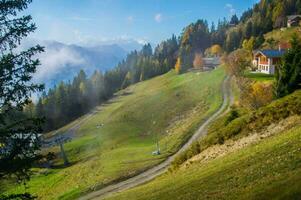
{"x":150,"y":100}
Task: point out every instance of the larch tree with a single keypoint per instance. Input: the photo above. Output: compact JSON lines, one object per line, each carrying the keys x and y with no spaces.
{"x":216,"y":50}
{"x":178,"y":66}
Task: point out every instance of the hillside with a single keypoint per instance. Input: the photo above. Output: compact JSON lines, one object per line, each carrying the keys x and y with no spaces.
{"x":281,"y":35}
{"x":260,"y":160}
{"x":117,"y":141}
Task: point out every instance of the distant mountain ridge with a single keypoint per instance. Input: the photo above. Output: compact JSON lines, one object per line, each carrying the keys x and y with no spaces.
{"x":61,"y":62}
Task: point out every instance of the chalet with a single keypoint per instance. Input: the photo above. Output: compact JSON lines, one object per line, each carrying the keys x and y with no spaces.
{"x":266,"y":60}
{"x":293,"y":20}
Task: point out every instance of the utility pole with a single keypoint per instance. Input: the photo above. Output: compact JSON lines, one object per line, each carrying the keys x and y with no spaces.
{"x":60,"y":140}
{"x":63,"y":154}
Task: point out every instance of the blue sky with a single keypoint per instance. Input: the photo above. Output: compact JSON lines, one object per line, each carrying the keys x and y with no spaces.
{"x":91,"y":21}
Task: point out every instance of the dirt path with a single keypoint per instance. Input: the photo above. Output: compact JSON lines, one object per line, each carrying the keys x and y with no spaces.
{"x":161,"y":168}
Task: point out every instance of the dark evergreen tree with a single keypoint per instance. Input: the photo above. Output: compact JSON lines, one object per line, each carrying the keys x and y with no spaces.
{"x":18,"y":133}
{"x":248,"y":30}
{"x":288,"y":73}
{"x":234,"y":20}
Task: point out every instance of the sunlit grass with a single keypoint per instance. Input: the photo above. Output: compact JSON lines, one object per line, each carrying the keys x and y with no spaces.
{"x":168,"y":107}
{"x":257,"y":76}
{"x":270,"y":169}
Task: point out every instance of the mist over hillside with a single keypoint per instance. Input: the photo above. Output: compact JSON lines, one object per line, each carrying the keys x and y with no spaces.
{"x":61,"y":62}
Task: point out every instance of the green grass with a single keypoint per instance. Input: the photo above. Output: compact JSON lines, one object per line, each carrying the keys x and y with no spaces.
{"x":259,"y":76}
{"x":270,"y":169}
{"x":169,"y":107}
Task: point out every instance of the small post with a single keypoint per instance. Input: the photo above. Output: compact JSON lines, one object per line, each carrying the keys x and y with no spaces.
{"x":158,"y":146}
{"x":157,"y":137}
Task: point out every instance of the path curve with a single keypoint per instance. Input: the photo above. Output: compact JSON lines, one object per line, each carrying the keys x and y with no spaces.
{"x":162,"y":167}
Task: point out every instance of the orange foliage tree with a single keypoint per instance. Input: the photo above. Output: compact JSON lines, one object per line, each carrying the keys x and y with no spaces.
{"x":178,"y":66}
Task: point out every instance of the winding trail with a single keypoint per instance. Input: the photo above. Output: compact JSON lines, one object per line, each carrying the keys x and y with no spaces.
{"x":162,"y":167}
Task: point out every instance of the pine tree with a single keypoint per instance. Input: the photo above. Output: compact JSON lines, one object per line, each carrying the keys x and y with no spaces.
{"x":234,"y":20}
{"x":18,"y":135}
{"x":288,"y":73}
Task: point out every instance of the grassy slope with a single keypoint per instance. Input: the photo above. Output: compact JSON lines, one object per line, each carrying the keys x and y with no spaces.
{"x":270,"y":169}
{"x":283,"y":36}
{"x":170,"y":106}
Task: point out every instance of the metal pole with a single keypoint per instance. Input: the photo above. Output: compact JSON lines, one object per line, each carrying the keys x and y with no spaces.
{"x":66,"y":162}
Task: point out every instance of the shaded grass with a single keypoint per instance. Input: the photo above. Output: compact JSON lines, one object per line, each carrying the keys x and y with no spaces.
{"x":168,"y":107}
{"x":270,"y":169}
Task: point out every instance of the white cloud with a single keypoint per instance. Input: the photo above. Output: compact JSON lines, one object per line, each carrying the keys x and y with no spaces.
{"x":158,"y":17}
{"x":53,"y":60}
{"x":141,"y":41}
{"x":231,"y":8}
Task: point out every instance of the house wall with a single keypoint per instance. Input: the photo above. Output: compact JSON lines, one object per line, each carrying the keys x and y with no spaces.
{"x":266,"y":66}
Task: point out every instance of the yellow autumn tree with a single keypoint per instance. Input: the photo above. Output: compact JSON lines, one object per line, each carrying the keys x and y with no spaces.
{"x":262,"y":94}
{"x":178,"y":66}
{"x":254,"y":95}
{"x":216,"y":50}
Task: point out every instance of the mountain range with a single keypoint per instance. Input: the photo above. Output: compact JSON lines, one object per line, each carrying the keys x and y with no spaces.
{"x":61,"y":62}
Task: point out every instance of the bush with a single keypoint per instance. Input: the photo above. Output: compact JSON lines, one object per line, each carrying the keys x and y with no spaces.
{"x":233,"y":115}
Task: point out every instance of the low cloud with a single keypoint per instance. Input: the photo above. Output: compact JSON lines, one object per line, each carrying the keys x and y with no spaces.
{"x":158,"y":17}
{"x":54,"y":60}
